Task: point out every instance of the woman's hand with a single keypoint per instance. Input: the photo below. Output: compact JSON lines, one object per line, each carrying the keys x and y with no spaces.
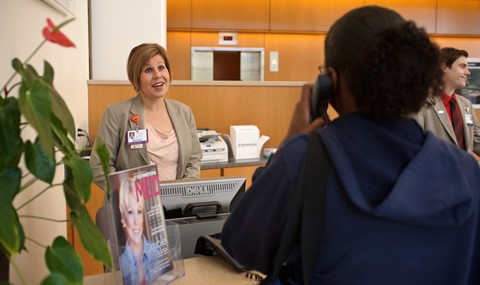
{"x":300,"y":121}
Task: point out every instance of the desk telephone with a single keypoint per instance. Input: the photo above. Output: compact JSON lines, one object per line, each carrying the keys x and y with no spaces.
{"x":210,"y":245}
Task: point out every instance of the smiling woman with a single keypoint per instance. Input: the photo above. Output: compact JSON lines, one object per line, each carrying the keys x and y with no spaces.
{"x":165,"y":129}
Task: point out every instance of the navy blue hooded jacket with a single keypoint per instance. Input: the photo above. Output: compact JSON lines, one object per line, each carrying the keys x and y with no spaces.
{"x":402,"y":207}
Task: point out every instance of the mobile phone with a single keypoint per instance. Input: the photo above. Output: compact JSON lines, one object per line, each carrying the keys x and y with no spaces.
{"x":321,"y":95}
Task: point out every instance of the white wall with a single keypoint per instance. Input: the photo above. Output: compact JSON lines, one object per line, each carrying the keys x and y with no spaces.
{"x":118,"y":26}
{"x":22,"y":22}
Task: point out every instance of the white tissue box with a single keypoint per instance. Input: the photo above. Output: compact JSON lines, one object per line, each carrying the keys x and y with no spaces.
{"x":245,"y":141}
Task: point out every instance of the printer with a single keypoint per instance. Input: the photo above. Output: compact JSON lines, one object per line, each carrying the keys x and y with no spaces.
{"x":214,"y":147}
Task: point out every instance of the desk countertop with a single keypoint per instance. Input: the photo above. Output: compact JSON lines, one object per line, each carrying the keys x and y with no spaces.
{"x":234,"y":163}
{"x":201,"y":270}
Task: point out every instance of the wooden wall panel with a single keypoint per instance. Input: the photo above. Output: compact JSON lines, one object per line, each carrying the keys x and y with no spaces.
{"x":422,"y":12}
{"x":209,"y":173}
{"x":179,"y":14}
{"x":308,"y":15}
{"x":231,"y":14}
{"x":471,"y":45}
{"x":246,"y":171}
{"x":301,"y":52}
{"x":299,"y":56}
{"x":210,"y":39}
{"x":215,"y":107}
{"x":178,"y":47}
{"x":458,"y":17}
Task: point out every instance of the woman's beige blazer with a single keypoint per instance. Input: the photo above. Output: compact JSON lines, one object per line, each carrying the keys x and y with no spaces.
{"x":113,"y":129}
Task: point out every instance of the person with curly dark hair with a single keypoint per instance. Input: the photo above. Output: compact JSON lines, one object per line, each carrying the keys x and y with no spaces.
{"x":438,"y":116}
{"x":400,"y":205}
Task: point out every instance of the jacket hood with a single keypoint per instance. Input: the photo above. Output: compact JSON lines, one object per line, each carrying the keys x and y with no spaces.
{"x":397,"y":172}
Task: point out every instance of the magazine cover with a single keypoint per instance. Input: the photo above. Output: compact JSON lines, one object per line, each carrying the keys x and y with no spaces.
{"x":143,"y":248}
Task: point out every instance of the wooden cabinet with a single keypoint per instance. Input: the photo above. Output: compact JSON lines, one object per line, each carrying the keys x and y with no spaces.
{"x":459,"y":17}
{"x":210,"y":173}
{"x":179,"y":14}
{"x":308,"y":15}
{"x":422,"y":12}
{"x":246,"y":171}
{"x":178,"y":47}
{"x":90,"y":265}
{"x":230,"y":14}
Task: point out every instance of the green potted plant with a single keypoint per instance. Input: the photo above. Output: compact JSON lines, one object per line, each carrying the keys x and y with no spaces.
{"x":38,"y":105}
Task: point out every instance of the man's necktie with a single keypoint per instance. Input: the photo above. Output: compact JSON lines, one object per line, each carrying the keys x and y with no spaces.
{"x":457,"y":123}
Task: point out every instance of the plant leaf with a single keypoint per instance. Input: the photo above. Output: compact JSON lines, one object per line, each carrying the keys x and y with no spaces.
{"x":10,"y":180}
{"x":30,"y":74}
{"x":79,"y":176}
{"x":35,"y":105}
{"x":62,"y":258}
{"x":91,"y":237}
{"x":12,"y":237}
{"x":71,"y":196}
{"x":38,"y":163}
{"x":11,"y":144}
{"x":17,"y":65}
{"x":104,"y":156}
{"x":61,"y":111}
{"x":60,"y":136}
{"x":59,"y":107}
{"x":54,"y":279}
{"x":48,"y":72}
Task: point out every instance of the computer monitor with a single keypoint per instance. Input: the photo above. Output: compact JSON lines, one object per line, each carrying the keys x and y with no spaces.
{"x":472,"y":90}
{"x":203,"y":197}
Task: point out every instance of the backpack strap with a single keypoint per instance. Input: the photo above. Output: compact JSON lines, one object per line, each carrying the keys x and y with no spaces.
{"x":305,"y":218}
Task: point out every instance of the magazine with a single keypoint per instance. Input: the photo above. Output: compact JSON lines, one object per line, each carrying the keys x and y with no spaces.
{"x":144,"y":254}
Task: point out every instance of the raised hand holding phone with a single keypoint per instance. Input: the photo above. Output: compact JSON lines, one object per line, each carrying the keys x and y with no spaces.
{"x":321,"y":95}
{"x":301,"y":120}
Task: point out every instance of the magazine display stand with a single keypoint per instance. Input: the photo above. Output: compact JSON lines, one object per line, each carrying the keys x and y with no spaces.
{"x":145,"y":247}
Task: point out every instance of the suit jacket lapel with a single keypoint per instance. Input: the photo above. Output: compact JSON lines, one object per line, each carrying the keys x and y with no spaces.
{"x":463,"y":110}
{"x":443,"y":117}
{"x":182,"y":133}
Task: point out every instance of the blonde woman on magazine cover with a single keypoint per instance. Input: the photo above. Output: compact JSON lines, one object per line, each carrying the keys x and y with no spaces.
{"x":140,"y":258}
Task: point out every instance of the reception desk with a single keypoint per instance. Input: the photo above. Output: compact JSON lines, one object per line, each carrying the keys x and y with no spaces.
{"x":201,"y":270}
{"x":243,"y":167}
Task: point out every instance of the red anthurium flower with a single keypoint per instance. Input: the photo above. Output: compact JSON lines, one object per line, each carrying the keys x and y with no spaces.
{"x":135,"y":118}
{"x":56,"y":36}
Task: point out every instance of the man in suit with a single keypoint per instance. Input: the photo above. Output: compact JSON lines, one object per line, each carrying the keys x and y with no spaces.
{"x":441,"y":114}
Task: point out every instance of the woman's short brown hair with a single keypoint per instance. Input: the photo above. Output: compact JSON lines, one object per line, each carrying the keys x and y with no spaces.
{"x":138,"y":58}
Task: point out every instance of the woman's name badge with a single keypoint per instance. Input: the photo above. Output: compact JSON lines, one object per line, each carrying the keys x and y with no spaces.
{"x":137,"y":138}
{"x":468,"y":119}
